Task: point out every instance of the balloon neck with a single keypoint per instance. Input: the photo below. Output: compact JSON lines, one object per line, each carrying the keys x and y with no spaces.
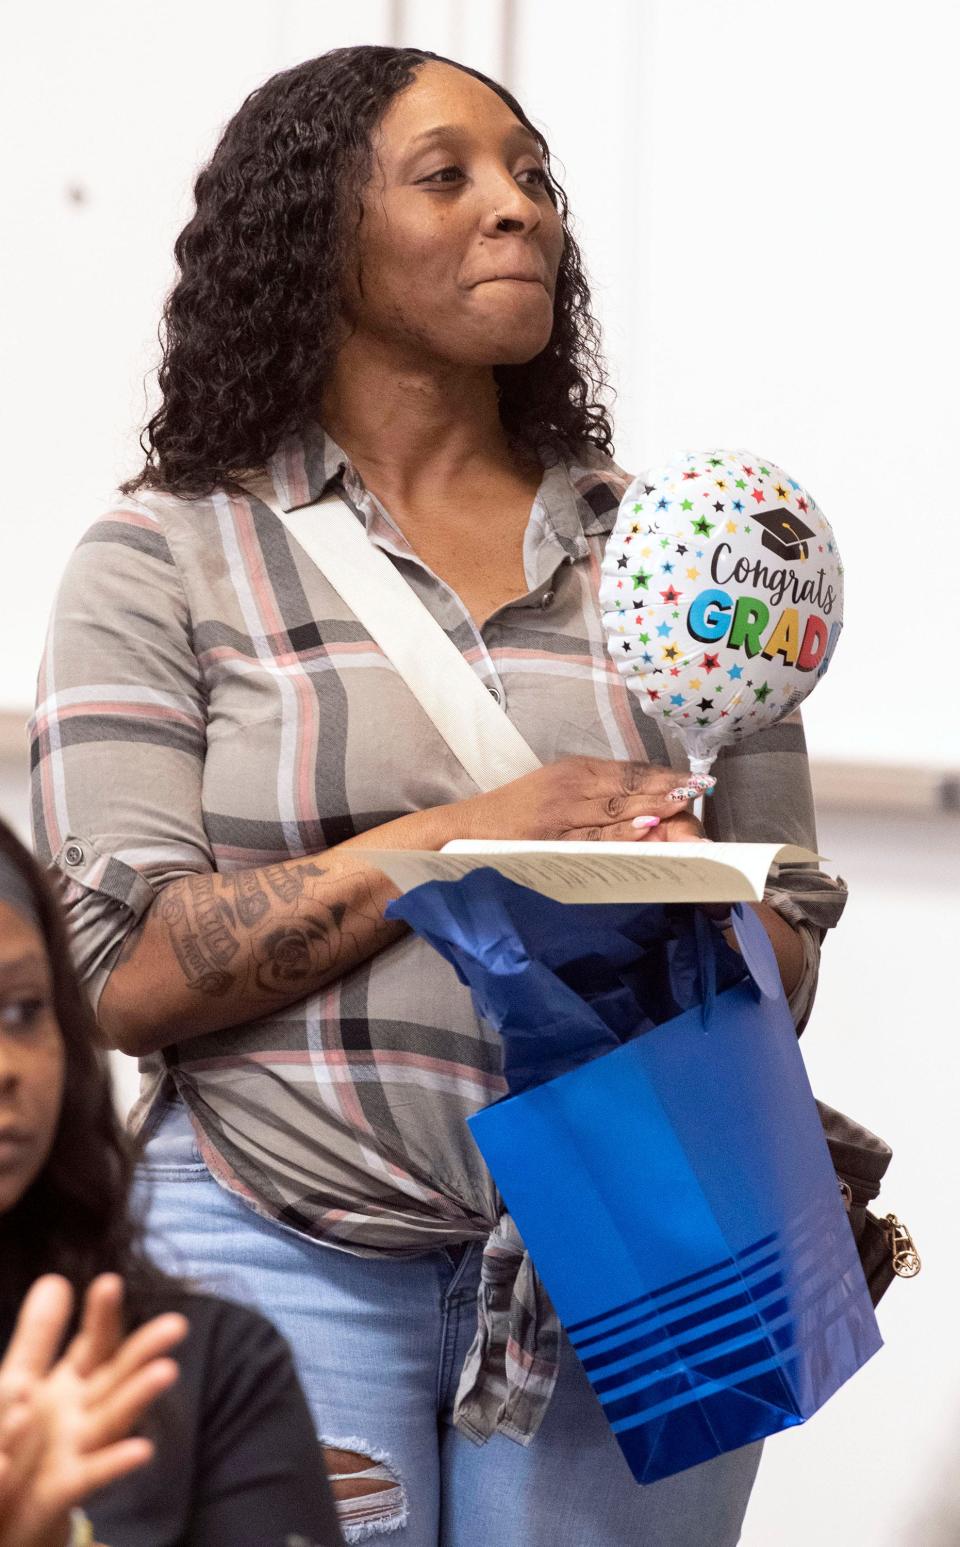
{"x":701,"y":765}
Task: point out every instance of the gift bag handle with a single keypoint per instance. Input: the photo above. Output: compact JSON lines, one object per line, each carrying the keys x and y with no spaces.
{"x":755,"y":948}
{"x":706,"y":937}
{"x":757,"y":952}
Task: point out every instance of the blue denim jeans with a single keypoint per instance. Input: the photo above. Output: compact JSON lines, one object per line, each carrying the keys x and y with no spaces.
{"x":379,"y":1344}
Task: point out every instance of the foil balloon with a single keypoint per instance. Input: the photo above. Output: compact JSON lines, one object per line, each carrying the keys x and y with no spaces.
{"x":722,"y":596}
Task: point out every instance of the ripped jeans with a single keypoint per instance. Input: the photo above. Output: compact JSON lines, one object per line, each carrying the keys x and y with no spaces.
{"x":379,"y":1344}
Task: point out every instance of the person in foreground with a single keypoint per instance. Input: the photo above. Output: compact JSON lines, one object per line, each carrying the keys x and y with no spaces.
{"x":212,"y":1447}
{"x":381,"y":301}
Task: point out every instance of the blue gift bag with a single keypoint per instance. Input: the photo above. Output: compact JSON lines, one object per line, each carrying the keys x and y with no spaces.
{"x":673,"y":1187}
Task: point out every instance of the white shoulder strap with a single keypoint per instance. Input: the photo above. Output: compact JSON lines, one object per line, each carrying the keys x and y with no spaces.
{"x":472,"y":724}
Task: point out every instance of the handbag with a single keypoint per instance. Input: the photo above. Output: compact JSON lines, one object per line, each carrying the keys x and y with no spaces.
{"x":860,"y":1159}
{"x":492,"y":751}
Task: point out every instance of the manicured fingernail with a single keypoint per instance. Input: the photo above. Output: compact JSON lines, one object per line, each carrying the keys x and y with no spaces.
{"x":646,"y":821}
{"x":703,"y":782}
{"x":685,"y":792}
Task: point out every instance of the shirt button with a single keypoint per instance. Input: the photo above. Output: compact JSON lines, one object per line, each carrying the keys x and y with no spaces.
{"x":547,"y":599}
{"x":73,"y":854}
{"x":496,"y":695}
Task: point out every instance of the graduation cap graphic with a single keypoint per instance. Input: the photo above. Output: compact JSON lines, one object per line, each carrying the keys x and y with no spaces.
{"x":784,"y":533}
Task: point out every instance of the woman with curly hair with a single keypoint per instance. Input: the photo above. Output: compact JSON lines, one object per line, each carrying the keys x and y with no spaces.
{"x":380,"y":302}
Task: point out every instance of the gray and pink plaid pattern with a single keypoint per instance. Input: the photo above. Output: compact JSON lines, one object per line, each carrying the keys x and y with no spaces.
{"x":206,"y":702}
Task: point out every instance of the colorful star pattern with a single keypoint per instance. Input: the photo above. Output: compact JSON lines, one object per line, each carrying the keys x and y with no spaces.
{"x":706,"y":495}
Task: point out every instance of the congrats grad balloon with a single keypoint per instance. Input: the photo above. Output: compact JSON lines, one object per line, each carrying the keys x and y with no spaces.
{"x":722,"y":596}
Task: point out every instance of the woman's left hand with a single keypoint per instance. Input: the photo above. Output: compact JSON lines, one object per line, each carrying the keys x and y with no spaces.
{"x":682,"y":828}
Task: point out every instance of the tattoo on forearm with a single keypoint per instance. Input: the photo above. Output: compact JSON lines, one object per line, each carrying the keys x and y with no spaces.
{"x":251,"y":899}
{"x":201,"y":926}
{"x":290,"y":956}
{"x":231,"y":936}
{"x":288,"y":882}
{"x":285,"y":882}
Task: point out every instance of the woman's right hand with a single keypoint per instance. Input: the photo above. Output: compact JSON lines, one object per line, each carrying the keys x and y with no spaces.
{"x":65,"y":1423}
{"x":584,"y":798}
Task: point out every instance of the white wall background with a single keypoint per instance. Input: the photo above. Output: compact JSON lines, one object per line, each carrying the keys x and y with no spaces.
{"x":762,"y":192}
{"x":765,"y":195}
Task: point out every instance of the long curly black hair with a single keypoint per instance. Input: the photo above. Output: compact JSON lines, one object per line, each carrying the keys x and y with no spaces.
{"x":249,"y":330}
{"x":74,"y":1218}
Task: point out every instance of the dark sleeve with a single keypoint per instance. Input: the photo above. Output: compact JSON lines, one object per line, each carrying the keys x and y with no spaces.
{"x":258,"y":1477}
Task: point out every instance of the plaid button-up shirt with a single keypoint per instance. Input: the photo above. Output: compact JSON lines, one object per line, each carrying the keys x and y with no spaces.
{"x":207,"y":702}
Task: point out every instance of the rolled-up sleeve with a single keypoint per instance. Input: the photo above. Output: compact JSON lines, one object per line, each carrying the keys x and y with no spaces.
{"x":763,"y":795}
{"x":118,"y":736}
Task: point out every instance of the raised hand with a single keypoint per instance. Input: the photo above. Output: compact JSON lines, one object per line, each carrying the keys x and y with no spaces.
{"x":65,"y":1423}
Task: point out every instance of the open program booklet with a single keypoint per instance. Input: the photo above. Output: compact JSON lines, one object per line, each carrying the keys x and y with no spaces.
{"x":601,"y":872}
